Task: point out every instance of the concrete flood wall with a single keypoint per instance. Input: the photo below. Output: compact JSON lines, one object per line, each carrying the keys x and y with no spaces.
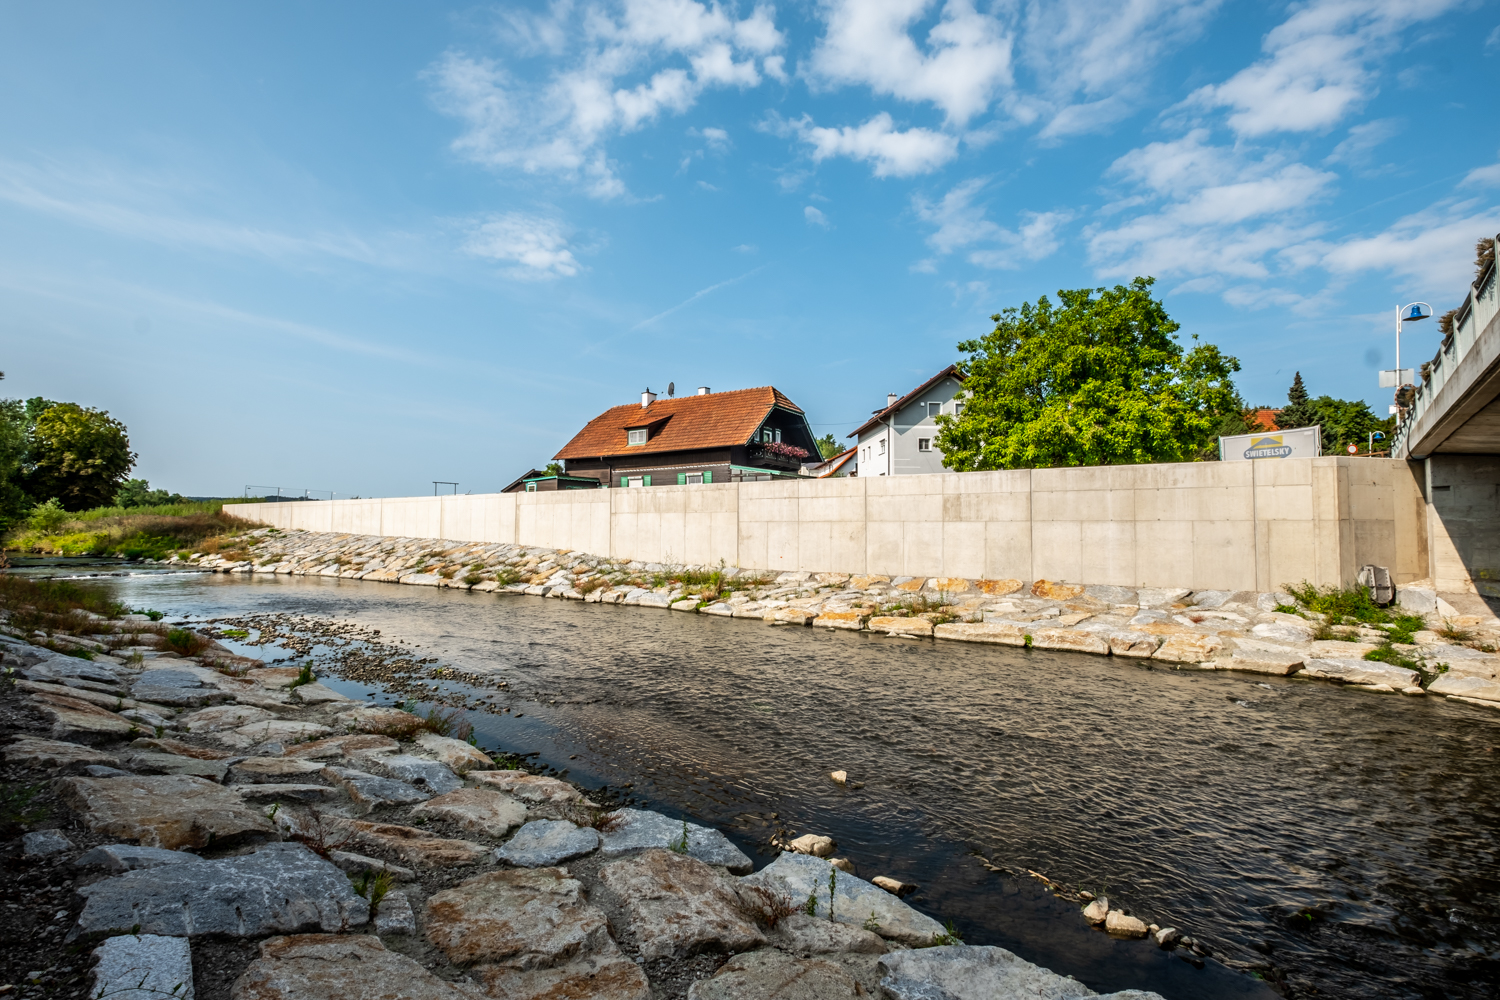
{"x":1205,"y":525}
{"x":1463,"y":519}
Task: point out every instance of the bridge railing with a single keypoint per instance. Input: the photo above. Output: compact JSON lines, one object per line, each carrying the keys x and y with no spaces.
{"x":1480,"y":306}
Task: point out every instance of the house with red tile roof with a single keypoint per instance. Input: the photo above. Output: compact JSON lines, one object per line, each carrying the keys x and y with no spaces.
{"x":711,"y":437}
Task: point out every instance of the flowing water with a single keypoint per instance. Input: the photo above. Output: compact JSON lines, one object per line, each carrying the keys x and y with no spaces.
{"x":1340,"y":842}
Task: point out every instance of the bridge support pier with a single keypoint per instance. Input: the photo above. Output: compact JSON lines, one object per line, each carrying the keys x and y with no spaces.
{"x":1463,"y":522}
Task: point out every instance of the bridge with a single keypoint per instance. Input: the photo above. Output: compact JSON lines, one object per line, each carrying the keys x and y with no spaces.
{"x":1451,"y":434}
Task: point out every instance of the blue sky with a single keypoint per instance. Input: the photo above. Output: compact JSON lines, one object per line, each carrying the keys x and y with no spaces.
{"x":360,"y":247}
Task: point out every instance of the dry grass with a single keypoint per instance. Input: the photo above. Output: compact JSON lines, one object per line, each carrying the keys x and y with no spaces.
{"x":766,"y":905}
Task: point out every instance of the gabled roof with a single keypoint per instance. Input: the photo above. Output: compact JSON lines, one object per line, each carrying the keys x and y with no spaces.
{"x":831,"y":466}
{"x":717,"y":420}
{"x":910,"y":397}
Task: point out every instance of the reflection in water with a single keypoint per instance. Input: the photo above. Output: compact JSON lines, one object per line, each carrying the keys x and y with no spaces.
{"x":1343,"y":840}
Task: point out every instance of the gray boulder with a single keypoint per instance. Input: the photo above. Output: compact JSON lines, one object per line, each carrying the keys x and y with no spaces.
{"x":1351,"y":671}
{"x":368,"y":791}
{"x":176,"y":687}
{"x":39,"y":843}
{"x":1151,"y":597}
{"x":855,"y":901}
{"x":545,"y":842}
{"x":280,"y":889}
{"x":637,"y":829}
{"x":426,"y":774}
{"x":1211,"y":598}
{"x":971,"y":972}
{"x":129,"y":857}
{"x":143,"y":967}
{"x":1112,"y":595}
{"x":1417,"y":600}
{"x":395,"y":915}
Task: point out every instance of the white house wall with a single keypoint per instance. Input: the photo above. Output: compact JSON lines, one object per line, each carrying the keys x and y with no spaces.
{"x":1220,"y":525}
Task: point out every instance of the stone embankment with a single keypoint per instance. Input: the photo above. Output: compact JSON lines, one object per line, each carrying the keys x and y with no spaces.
{"x":206,"y":826}
{"x":1263,"y":633}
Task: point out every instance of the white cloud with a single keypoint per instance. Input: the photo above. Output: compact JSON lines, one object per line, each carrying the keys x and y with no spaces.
{"x":894,"y":153}
{"x":717,"y":139}
{"x":815,"y":217}
{"x":619,"y":67}
{"x":962,"y":224}
{"x":1208,"y":211}
{"x":1492,"y":42}
{"x":1484,"y":176}
{"x":1434,"y":248}
{"x":1362,"y":140}
{"x":1316,"y":68}
{"x":538,"y":246}
{"x":965,"y":61}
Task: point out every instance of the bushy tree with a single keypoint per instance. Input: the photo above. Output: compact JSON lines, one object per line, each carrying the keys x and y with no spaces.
{"x":138,"y":493}
{"x":828,"y":447}
{"x":13,"y":499}
{"x":1346,"y":422}
{"x":1099,"y":379}
{"x":79,"y":456}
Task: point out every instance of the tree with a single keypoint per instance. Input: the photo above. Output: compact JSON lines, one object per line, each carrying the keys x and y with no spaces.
{"x":13,"y":500}
{"x":79,"y":456}
{"x":828,"y":447}
{"x":1347,"y":422}
{"x":1097,"y":380}
{"x":555,"y":469}
{"x":138,"y":493}
{"x":1297,"y":412}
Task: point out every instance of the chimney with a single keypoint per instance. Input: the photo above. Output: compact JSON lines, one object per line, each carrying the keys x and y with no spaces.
{"x":647,"y":398}
{"x":703,"y":390}
{"x":890,"y":399}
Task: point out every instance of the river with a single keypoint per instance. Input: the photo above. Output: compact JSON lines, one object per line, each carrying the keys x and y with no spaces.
{"x":1342,"y":843}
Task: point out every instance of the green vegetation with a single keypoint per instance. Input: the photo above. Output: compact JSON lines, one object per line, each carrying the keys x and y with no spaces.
{"x":17,"y":809}
{"x":1097,"y":380}
{"x":1344,"y":421}
{"x":1352,"y":606}
{"x":373,"y":886}
{"x":137,"y":533}
{"x":78,"y":455}
{"x":304,"y":676}
{"x":828,"y":447}
{"x":680,"y":846}
{"x":138,"y":493}
{"x":949,"y":936}
{"x":54,"y":605}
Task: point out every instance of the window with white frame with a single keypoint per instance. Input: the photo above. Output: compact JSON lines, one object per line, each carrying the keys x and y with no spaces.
{"x":637,"y":436}
{"x":924,"y":444}
{"x":958,"y":407}
{"x":694,"y":478}
{"x":531,"y":487}
{"x":882,"y":447}
{"x":635,"y":480}
{"x":933,"y":409}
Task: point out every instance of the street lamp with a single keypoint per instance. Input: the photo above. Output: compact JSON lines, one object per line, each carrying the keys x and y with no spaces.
{"x":1402,"y":377}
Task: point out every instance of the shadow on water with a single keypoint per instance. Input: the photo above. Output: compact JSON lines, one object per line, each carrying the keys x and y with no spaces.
{"x":1342,"y":841}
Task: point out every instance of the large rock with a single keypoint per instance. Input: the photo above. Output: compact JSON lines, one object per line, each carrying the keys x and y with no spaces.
{"x":543,"y":843}
{"x":1258,"y":657}
{"x":900,"y":626}
{"x":179,"y":748}
{"x":851,"y":620}
{"x":1417,"y":600}
{"x":636,"y":829}
{"x":274,"y":731}
{"x":971,"y":972}
{"x":856,"y":901}
{"x":1069,"y":640}
{"x":679,"y":906}
{"x":40,"y":843}
{"x":143,"y":967}
{"x":997,"y":633}
{"x":378,"y":720}
{"x":334,"y":747}
{"x":338,"y":967}
{"x":533,"y":789}
{"x":1212,"y":598}
{"x":370,"y":791}
{"x":774,"y":975}
{"x":524,"y":918}
{"x":213,"y":720}
{"x":178,"y":688}
{"x":168,"y":811}
{"x":1188,"y":648}
{"x":804,"y":935}
{"x":478,"y":810}
{"x":317,"y":694}
{"x":1459,"y":685}
{"x":607,"y":976}
{"x":455,"y":754}
{"x":1350,"y":671}
{"x":72,"y":716}
{"x":1126,"y":641}
{"x":1157,"y":597}
{"x":170,"y":763}
{"x":129,"y":857}
{"x":280,"y":888}
{"x":1282,"y":631}
{"x":1113,"y":595}
{"x":30,"y":751}
{"x":1053,"y":591}
{"x":256,"y":769}
{"x":416,"y":846}
{"x":428,"y":775}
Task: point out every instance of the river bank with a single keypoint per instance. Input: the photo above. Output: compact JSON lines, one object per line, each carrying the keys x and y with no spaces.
{"x":1435,"y":650}
{"x":257,"y":834}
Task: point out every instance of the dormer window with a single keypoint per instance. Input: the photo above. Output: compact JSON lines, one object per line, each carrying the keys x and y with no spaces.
{"x":636,"y":436}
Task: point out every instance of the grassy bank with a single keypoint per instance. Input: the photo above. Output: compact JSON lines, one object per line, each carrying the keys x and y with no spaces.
{"x":137,"y":532}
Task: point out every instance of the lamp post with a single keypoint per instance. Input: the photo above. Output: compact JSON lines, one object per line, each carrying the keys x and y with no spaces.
{"x":1409,"y":313}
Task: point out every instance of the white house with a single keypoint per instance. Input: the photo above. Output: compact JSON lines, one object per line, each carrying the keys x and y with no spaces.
{"x":899,"y":440}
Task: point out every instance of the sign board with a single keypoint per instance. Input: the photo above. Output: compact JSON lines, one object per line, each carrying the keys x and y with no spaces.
{"x":1299,"y":442}
{"x":1392,"y":378}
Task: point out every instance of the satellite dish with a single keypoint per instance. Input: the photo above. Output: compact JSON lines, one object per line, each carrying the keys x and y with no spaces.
{"x":671,"y":388}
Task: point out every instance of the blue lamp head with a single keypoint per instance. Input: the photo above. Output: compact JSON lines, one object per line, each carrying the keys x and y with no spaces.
{"x":1416,"y":311}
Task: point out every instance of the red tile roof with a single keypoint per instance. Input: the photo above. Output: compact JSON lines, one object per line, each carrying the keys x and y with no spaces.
{"x":717,"y":420}
{"x":880,"y":415}
{"x":1265,"y":417}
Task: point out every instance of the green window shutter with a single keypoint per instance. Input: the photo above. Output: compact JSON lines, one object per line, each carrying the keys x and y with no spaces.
{"x":682,"y":479}
{"x":708,"y":476}
{"x":645,"y":480}
{"x":624,"y":482}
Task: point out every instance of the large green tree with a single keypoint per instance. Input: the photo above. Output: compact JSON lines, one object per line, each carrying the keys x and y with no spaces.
{"x":79,"y":456}
{"x":1098,"y":379}
{"x":13,"y":434}
{"x":1298,"y":411}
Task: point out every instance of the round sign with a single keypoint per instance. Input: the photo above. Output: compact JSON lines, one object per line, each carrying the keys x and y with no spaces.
{"x":1354,"y":449}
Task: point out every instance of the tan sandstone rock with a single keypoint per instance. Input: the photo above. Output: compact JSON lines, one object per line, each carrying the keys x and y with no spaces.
{"x":608,"y":976}
{"x":219,"y":717}
{"x":997,"y":588}
{"x":852,"y":620}
{"x":338,"y":967}
{"x":458,"y":755}
{"x":528,"y":918}
{"x":34,"y":752}
{"x":997,"y":633}
{"x":901,"y":626}
{"x":74,"y":715}
{"x":1188,"y":648}
{"x":343,"y":746}
{"x":411,"y":844}
{"x":171,"y":810}
{"x":1056,"y":591}
{"x":767,"y":974}
{"x":1069,"y":640}
{"x":533,"y":789}
{"x":679,"y":906}
{"x":478,"y":810}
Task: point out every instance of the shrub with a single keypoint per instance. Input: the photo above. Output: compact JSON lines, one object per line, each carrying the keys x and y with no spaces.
{"x":767,"y":905}
{"x":54,"y":605}
{"x":47,"y":517}
{"x":185,"y":641}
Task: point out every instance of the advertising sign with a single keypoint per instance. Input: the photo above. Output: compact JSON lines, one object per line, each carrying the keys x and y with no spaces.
{"x":1299,"y":442}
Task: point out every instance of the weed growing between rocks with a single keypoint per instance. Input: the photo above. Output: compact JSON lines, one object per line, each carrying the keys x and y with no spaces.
{"x":185,"y":641}
{"x":54,"y":605}
{"x":373,"y":886}
{"x":18,"y":807}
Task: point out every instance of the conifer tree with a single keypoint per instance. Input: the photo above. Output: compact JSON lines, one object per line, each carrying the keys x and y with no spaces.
{"x":1297,"y":412}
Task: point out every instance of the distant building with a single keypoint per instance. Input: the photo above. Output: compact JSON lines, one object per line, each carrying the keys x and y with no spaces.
{"x":738,"y":436}
{"x":845,"y":463}
{"x":1265,"y":418}
{"x":900,"y":440}
{"x":537,"y":481}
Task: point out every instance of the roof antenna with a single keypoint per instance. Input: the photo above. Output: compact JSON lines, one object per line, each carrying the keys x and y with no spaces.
{"x":671,"y":389}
